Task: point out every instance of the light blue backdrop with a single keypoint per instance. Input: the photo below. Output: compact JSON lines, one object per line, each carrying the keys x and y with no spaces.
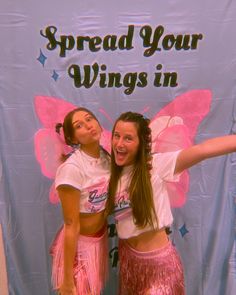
{"x":31,"y":65}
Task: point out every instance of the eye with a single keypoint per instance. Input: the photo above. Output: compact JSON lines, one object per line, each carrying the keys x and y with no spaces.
{"x":116,"y":136}
{"x":128,"y":138}
{"x":78,"y":126}
{"x":89,"y":118}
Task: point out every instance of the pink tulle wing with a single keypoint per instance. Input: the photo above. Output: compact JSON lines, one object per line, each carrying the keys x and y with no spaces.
{"x":48,"y":150}
{"x":53,"y":195}
{"x":49,"y":145}
{"x":51,"y":110}
{"x":177,"y":191}
{"x":172,"y":138}
{"x":191,"y":107}
{"x":174,"y":128}
{"x":106,"y":140}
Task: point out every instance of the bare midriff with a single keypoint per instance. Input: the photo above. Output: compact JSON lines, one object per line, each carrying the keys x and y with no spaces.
{"x":149,"y":241}
{"x":92,"y":223}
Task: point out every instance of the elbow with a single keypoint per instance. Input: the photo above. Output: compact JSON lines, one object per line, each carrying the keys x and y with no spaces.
{"x":72,"y":225}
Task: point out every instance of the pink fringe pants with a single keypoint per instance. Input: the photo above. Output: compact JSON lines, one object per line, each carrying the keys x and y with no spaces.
{"x":90,"y":266}
{"x":157,"y":272}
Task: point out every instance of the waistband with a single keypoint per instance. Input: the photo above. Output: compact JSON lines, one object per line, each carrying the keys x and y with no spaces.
{"x":96,"y":236}
{"x":148,"y":254}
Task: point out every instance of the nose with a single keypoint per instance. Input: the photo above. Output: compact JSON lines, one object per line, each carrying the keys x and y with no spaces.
{"x":120,"y":142}
{"x":88,"y":125}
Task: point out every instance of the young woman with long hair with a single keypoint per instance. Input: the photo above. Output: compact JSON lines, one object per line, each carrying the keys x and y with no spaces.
{"x":79,"y":250}
{"x":149,"y":263}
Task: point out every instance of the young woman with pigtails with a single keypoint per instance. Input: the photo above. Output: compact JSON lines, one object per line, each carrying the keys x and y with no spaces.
{"x":80,"y":251}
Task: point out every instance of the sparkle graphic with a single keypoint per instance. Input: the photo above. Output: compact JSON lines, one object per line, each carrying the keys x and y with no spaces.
{"x":183,"y":230}
{"x":42,"y":58}
{"x":55,"y":76}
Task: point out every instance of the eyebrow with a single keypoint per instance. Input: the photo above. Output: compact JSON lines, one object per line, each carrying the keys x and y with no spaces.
{"x":126,"y":134}
{"x":86,"y":115}
{"x":77,"y":121}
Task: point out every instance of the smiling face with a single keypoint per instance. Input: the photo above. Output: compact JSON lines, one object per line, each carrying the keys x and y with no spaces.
{"x":125,"y":143}
{"x":86,"y":128}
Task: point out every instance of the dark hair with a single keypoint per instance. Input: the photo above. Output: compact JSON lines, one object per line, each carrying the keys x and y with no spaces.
{"x":140,"y":189}
{"x":68,"y":128}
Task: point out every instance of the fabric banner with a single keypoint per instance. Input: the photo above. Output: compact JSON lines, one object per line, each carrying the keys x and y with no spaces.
{"x":174,"y":62}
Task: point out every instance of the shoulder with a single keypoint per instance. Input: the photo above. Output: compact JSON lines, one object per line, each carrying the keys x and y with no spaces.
{"x":163,"y":164}
{"x":161,"y":158}
{"x":71,"y":172}
{"x":73,"y":162}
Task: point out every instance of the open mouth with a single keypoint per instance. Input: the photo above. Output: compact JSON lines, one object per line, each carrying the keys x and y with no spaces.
{"x":120,"y":155}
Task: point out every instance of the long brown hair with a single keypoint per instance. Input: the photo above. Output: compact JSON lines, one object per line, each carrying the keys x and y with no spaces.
{"x":140,"y":189}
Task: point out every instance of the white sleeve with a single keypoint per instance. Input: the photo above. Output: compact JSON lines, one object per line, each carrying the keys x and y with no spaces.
{"x":164,"y":165}
{"x":69,"y":174}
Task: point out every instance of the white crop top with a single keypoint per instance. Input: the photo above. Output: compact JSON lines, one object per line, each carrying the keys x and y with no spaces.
{"x":163,"y":170}
{"x":90,"y":176}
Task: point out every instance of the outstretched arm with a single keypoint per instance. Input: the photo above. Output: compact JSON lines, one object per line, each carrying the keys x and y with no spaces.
{"x":69,"y":197}
{"x":210,"y":148}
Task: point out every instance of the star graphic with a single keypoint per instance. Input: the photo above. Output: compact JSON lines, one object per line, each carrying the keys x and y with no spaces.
{"x":42,"y":58}
{"x":55,"y":76}
{"x":183,"y":230}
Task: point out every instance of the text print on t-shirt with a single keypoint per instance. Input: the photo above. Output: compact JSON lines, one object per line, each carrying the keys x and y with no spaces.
{"x":97,"y":196}
{"x":122,"y":205}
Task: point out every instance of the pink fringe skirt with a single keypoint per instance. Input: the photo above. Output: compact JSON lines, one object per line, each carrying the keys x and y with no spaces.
{"x":90,"y":266}
{"x":157,"y":272}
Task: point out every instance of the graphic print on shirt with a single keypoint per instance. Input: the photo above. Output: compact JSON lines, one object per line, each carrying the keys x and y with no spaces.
{"x":122,"y":205}
{"x":97,"y":196}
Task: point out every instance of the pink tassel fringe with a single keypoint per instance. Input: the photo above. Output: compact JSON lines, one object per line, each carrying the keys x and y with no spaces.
{"x":157,"y":272}
{"x":91,"y":263}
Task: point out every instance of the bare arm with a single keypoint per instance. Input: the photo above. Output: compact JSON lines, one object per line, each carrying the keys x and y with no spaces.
{"x":210,"y":148}
{"x":69,"y":197}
